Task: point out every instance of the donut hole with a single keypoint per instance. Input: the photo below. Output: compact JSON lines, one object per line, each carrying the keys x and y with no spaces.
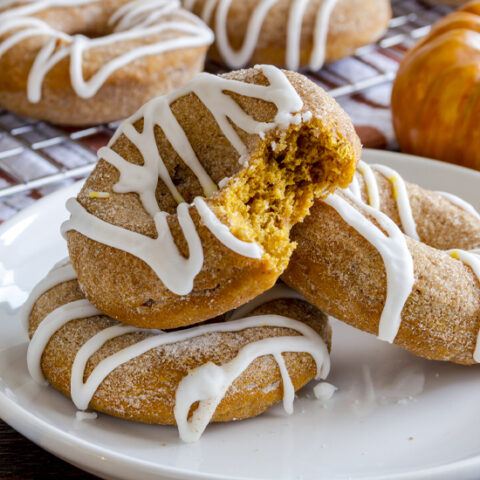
{"x":278,"y":187}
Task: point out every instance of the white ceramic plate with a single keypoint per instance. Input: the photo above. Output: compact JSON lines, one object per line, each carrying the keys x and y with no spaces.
{"x":394,"y":415}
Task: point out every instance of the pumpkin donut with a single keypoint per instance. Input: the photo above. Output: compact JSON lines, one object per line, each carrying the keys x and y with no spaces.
{"x":440,"y":76}
{"x":290,"y":33}
{"x":228,"y":369}
{"x":354,"y":263}
{"x":260,"y":144}
{"x":82,"y":62}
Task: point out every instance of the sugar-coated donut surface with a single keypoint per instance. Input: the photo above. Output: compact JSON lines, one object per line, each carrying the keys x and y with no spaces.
{"x":353,"y":262}
{"x":80,"y":62}
{"x":208,"y":256}
{"x":290,"y":33}
{"x":235,"y":367}
{"x":439,"y":219}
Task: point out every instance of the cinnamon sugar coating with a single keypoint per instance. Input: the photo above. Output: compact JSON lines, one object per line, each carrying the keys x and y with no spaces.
{"x":340,"y":272}
{"x":440,"y":224}
{"x":143,"y":389}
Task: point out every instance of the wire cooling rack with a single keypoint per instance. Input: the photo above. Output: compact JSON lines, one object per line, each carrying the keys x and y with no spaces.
{"x":37,"y":158}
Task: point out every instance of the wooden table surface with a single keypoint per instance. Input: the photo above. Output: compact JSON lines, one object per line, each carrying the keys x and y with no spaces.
{"x":21,"y":459}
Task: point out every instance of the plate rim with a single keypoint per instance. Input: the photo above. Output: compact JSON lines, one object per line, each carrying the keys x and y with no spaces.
{"x":77,"y":451}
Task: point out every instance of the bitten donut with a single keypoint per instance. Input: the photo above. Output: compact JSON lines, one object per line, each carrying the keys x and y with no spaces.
{"x":82,"y":62}
{"x":440,"y":78}
{"x":148,"y":247}
{"x":229,"y":369}
{"x":354,"y":263}
{"x":290,"y":33}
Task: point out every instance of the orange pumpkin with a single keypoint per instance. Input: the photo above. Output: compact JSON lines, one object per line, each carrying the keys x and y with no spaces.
{"x":436,"y":95}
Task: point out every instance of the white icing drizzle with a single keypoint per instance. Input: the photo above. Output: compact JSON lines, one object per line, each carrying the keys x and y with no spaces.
{"x":206,"y":384}
{"x":322,"y":23}
{"x":371,"y":184}
{"x":60,"y":274}
{"x":400,"y":194}
{"x":161,"y":253}
{"x":209,"y":383}
{"x":47,"y":328}
{"x":324,"y":391}
{"x":83,"y":416}
{"x":137,"y":20}
{"x":242,"y":56}
{"x":460,"y":203}
{"x":392,"y":246}
{"x":31,"y":7}
{"x":223,"y":234}
{"x":472,"y":259}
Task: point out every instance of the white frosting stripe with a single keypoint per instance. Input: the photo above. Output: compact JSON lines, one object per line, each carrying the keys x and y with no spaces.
{"x":400,"y":194}
{"x":472,"y":259}
{"x":395,"y":254}
{"x":320,"y":34}
{"x":137,"y":20}
{"x":82,"y":393}
{"x":47,"y":328}
{"x":296,"y":16}
{"x":240,"y":58}
{"x":223,"y":234}
{"x":288,"y":388}
{"x":34,"y":6}
{"x":209,"y":383}
{"x":354,"y":188}
{"x":161,"y":253}
{"x":371,"y":184}
{"x":57,"y":275}
{"x":141,"y":14}
{"x":294,"y":33}
{"x":460,"y":203}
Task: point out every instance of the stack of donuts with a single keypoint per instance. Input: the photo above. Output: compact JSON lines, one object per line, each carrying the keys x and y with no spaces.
{"x":84,"y":62}
{"x":224,"y":222}
{"x":169,"y":310}
{"x":187,"y":217}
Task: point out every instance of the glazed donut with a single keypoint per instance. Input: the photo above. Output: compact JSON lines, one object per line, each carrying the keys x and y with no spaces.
{"x":82,"y":62}
{"x":354,"y":263}
{"x":290,"y":33}
{"x":259,"y":143}
{"x":440,"y":77}
{"x":234,"y":367}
